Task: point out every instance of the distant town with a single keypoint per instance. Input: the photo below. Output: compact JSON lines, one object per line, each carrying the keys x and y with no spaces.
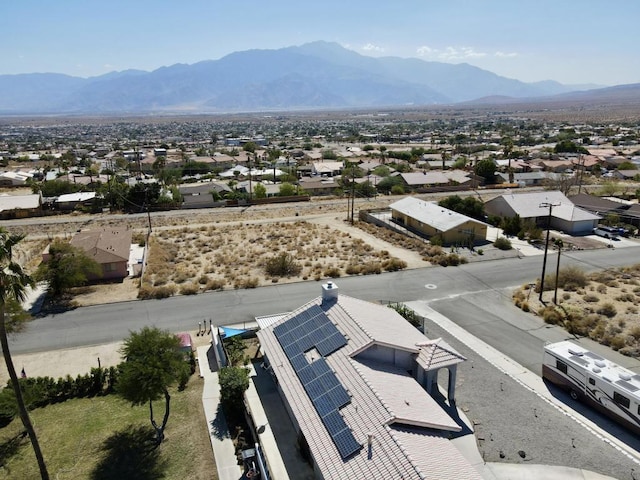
{"x":195,"y":163}
{"x":456,"y":373}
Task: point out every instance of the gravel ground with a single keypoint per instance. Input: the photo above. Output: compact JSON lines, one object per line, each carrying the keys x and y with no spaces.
{"x":510,"y":420}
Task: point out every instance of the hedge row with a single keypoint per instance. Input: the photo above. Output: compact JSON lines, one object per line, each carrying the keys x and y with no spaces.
{"x":43,"y":391}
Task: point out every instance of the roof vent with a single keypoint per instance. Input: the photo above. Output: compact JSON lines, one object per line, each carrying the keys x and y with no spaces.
{"x":329,"y":292}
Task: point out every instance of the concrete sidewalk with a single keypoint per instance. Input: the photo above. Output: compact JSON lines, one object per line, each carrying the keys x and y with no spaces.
{"x":221,"y":442}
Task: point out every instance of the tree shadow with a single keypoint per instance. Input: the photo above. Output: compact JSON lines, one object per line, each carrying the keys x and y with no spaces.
{"x":131,"y":454}
{"x":218,"y":426}
{"x":10,"y":447}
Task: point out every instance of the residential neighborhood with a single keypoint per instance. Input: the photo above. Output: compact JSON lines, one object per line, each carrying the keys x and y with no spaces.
{"x":195,"y":210}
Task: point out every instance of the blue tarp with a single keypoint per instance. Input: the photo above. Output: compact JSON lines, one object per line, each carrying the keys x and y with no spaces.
{"x":231,"y":332}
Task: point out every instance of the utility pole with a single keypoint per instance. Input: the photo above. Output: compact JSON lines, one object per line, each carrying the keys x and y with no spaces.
{"x":546,"y":244}
{"x":559,"y":244}
{"x":250,"y":191}
{"x":580,"y":172}
{"x":353,"y":191}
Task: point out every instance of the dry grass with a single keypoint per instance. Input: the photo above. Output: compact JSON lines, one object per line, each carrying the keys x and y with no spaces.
{"x":430,"y":253}
{"x":603,"y":306}
{"x":192,"y":259}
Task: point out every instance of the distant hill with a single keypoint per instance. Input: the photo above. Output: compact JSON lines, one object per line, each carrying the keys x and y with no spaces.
{"x":316,"y":75}
{"x":612,"y":96}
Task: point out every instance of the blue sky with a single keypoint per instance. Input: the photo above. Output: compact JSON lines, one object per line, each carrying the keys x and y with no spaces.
{"x":572,"y":42}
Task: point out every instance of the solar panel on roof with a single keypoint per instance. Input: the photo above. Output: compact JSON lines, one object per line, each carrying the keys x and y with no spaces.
{"x":312,"y":328}
{"x":306,"y":374}
{"x":298,"y":362}
{"x":339,"y":397}
{"x":346,"y":443}
{"x":324,"y":405}
{"x":320,"y":367}
{"x":334,"y":422}
{"x":314,"y":389}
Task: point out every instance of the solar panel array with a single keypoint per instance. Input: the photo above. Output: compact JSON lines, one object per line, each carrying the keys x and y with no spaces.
{"x":308,"y":329}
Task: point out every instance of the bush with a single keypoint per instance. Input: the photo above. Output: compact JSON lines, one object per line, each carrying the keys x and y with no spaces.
{"x":147,"y":292}
{"x":551,"y":315}
{"x":394,"y":264}
{"x":189,"y":289}
{"x":233,"y":383}
{"x":42,"y":391}
{"x":572,"y":275}
{"x":332,"y":272}
{"x":608,"y":310}
{"x":214,"y":284}
{"x":406,"y":313}
{"x":590,"y":298}
{"x":282,"y":265}
{"x":502,"y":243}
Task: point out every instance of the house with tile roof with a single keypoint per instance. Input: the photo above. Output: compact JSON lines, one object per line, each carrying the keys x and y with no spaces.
{"x":565,"y":216}
{"x":355,"y":379}
{"x":428,"y":219}
{"x":107,"y":246}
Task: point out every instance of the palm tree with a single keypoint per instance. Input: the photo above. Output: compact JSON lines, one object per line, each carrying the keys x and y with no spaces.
{"x":13,"y":282}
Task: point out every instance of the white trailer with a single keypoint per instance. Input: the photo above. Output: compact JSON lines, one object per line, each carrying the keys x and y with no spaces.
{"x":607,"y":386}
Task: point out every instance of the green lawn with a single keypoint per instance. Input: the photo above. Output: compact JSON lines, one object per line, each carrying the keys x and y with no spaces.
{"x":106,"y":438}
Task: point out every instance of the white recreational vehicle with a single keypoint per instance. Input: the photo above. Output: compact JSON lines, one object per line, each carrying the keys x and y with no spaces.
{"x":587,"y":376}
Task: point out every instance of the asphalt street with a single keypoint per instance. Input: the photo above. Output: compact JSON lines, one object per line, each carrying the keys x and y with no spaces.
{"x":448,"y":288}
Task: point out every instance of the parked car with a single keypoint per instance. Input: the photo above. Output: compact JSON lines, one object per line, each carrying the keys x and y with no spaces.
{"x":606,"y":232}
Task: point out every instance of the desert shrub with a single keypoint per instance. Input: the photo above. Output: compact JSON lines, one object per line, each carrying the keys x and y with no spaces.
{"x":189,"y":288}
{"x":625,"y":297}
{"x":214,"y":284}
{"x":282,"y":265}
{"x":566,"y":296}
{"x":602,"y":289}
{"x":371,"y":268}
{"x":203,"y":280}
{"x":518,"y":295}
{"x":617,"y":342}
{"x":147,"y":292}
{"x":608,"y":310}
{"x":572,"y":276}
{"x":550,"y":315}
{"x":394,"y":264}
{"x":585,"y":324}
{"x":635,"y":332}
{"x":525,"y":306}
{"x":181,"y":276}
{"x":454,"y":259}
{"x":502,"y":243}
{"x":251,"y":282}
{"x":332,"y":272}
{"x":353,"y":269}
{"x":591,"y":298}
{"x":598,"y":332}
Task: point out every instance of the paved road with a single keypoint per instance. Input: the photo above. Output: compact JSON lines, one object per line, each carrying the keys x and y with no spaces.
{"x":109,"y":323}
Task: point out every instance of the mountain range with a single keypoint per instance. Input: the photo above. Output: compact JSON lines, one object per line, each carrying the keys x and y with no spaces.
{"x":317,"y":75}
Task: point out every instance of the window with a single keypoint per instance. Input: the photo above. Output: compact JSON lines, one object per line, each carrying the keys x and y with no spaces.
{"x":561,"y":366}
{"x":621,"y":400}
{"x":592,"y":381}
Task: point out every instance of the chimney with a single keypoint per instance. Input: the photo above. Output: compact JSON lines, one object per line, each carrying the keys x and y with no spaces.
{"x":329,"y":292}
